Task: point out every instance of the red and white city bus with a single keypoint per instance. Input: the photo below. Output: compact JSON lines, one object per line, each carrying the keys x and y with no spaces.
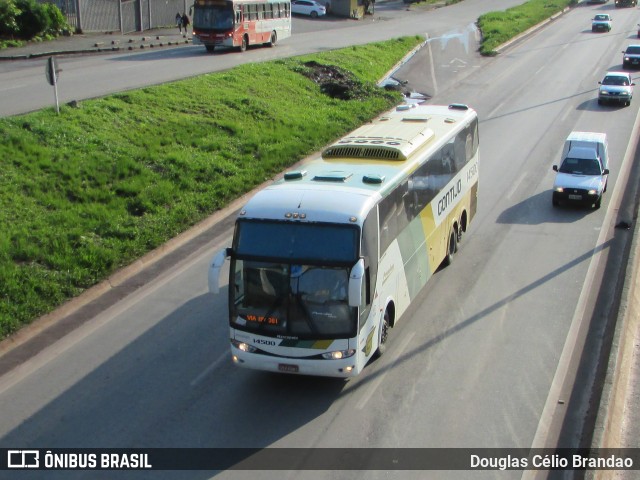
{"x":240,"y":23}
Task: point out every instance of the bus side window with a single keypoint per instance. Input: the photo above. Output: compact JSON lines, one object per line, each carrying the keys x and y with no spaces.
{"x":473,"y":129}
{"x":369,"y":251}
{"x":388,"y":226}
{"x":366,"y":297}
{"x":427,"y":180}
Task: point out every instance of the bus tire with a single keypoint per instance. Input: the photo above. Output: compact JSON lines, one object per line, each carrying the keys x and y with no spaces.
{"x":452,"y":248}
{"x":274,"y":39}
{"x":244,"y":44}
{"x":384,"y":335}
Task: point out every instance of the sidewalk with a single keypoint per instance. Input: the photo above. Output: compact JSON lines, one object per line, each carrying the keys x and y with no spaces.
{"x":105,"y":42}
{"x":98,"y":42}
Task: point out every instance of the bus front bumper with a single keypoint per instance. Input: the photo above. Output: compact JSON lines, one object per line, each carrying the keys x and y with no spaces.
{"x":344,"y":368}
{"x":212,"y":39}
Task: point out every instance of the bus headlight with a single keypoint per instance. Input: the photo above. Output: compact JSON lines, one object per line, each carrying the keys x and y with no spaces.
{"x":339,"y":354}
{"x":245,"y":347}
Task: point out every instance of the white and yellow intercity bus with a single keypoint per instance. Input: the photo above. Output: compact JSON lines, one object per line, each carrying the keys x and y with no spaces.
{"x":326,"y":260}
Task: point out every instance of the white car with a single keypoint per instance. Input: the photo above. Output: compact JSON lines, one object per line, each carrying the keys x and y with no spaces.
{"x":616,"y":87}
{"x":308,"y":7}
{"x":582,"y":176}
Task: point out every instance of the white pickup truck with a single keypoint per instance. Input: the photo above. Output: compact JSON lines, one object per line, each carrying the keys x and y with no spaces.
{"x":582,"y":175}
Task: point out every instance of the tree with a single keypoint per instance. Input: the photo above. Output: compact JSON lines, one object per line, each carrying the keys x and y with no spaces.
{"x":8,"y":24}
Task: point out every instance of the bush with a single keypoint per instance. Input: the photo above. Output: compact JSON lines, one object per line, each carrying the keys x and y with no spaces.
{"x":32,"y":19}
{"x":28,"y":20}
{"x":57,"y":21}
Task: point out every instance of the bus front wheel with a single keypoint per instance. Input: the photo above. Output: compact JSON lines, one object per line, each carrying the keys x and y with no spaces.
{"x":245,"y":42}
{"x":384,"y":335}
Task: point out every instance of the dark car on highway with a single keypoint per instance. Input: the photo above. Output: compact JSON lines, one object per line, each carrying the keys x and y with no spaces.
{"x":631,"y":56}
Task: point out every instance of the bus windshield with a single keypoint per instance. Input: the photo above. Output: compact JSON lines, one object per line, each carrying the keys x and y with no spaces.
{"x":288,"y":300}
{"x":294,"y":242}
{"x":291,"y":279}
{"x":218,"y":17}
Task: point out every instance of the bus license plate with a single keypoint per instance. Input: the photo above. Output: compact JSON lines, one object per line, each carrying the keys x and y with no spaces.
{"x":575,"y":197}
{"x":284,"y":367}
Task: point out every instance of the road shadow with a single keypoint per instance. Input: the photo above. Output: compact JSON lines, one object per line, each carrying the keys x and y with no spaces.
{"x":159,"y":391}
{"x":537,"y":210}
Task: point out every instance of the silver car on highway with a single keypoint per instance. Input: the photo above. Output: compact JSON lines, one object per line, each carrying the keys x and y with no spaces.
{"x":616,"y":87}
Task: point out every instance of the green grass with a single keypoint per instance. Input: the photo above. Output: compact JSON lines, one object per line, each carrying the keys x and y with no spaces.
{"x":499,"y":27}
{"x":88,"y":191}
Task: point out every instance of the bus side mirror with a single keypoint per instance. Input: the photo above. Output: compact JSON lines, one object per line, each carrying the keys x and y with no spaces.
{"x":214,"y":270}
{"x":356,"y":278}
{"x":555,"y":168}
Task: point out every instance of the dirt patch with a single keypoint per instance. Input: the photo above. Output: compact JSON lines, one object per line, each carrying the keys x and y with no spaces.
{"x":335,"y":82}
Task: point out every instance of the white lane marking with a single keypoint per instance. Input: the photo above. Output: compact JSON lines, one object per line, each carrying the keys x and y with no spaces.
{"x":516,"y":185}
{"x":432,"y":69}
{"x":374,"y":386}
{"x":210,"y":368}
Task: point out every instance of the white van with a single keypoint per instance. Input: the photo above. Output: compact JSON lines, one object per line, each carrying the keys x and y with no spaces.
{"x":584,"y":170}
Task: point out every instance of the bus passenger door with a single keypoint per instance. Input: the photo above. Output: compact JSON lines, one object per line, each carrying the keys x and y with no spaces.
{"x":238,"y":28}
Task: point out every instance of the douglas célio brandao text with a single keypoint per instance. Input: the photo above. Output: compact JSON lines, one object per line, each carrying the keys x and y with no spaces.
{"x":554,"y":461}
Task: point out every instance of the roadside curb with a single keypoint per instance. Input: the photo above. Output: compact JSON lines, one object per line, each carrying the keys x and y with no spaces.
{"x":611,"y":411}
{"x":144,"y":43}
{"x":403,"y":61}
{"x":611,"y":414}
{"x":531,"y":30}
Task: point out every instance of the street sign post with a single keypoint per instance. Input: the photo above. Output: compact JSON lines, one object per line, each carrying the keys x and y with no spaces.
{"x":52,"y":71}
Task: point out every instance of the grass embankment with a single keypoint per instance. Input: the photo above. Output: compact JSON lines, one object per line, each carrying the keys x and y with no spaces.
{"x":499,"y":27}
{"x":90,"y":190}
